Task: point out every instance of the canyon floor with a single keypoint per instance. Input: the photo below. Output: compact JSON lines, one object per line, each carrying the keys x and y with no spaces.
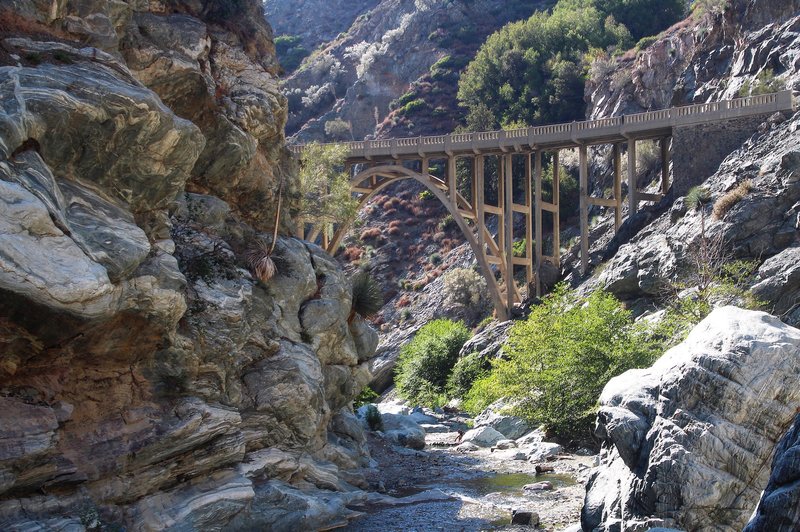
{"x":444,"y":488}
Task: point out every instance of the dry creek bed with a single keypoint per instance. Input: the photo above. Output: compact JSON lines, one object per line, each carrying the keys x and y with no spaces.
{"x":444,"y":489}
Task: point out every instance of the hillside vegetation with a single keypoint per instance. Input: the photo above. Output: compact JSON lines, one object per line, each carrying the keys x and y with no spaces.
{"x":534,"y":71}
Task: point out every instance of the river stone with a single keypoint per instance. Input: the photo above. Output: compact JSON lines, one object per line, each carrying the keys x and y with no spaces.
{"x":779,"y":507}
{"x":544,"y":450}
{"x":539,"y":486}
{"x":482,"y":436}
{"x":506,"y":444}
{"x":512,"y":427}
{"x":711,"y":411}
{"x":403,"y":431}
{"x":524,"y":517}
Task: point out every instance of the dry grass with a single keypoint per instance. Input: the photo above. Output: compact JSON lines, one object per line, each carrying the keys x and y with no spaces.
{"x":368,"y":234}
{"x":260,"y":261}
{"x":726,"y":202}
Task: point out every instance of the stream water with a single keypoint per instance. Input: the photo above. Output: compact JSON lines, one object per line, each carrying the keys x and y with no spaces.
{"x":468,"y":493}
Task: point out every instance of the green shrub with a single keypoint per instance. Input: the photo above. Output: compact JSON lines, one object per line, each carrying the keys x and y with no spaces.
{"x":373,"y":418}
{"x":766,"y":82}
{"x":366,"y":396}
{"x":559,"y":359}
{"x":520,"y":247}
{"x":402,"y":100}
{"x":426,"y":362}
{"x":465,"y":372}
{"x":697,"y":198}
{"x":290,"y":51}
{"x":448,"y":222}
{"x":533,"y":70}
{"x":645,"y":42}
{"x":414,"y":106}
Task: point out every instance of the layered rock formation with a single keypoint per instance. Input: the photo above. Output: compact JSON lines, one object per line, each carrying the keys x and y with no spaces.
{"x":686,"y":441}
{"x":146,"y":378}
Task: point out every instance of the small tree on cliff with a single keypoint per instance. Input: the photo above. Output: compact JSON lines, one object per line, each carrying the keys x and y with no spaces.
{"x":324,"y":187}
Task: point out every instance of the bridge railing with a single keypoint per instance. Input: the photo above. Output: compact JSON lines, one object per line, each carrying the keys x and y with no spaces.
{"x":574,"y":131}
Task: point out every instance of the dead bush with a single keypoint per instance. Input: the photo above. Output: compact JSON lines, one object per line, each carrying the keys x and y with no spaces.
{"x":731,"y":198}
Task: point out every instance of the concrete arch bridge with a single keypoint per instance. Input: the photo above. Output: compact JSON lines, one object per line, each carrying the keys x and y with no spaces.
{"x":678,"y":130}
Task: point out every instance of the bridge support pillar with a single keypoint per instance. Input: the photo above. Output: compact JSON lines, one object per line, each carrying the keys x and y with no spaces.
{"x":633,"y":200}
{"x":556,"y":210}
{"x":617,"y":186}
{"x":664,"y":165}
{"x":507,"y":210}
{"x":584,"y":207}
{"x":538,"y":220}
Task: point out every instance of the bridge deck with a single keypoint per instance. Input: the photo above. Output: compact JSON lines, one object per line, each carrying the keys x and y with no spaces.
{"x":605,"y":130}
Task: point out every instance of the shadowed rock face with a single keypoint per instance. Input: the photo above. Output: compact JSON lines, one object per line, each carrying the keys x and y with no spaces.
{"x":779,"y":507}
{"x":142,"y":368}
{"x":685,"y":440}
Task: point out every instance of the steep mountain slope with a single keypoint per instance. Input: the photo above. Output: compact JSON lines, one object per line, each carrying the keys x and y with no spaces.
{"x":355,"y":77}
{"x":148,"y":380}
{"x":315,"y":22}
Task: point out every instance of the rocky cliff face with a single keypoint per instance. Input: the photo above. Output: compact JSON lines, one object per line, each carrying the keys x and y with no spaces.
{"x":146,"y":378}
{"x":687,"y":439}
{"x":315,"y":21}
{"x":678,"y":453}
{"x":356,"y":76}
{"x":706,"y":58}
{"x":778,"y":509}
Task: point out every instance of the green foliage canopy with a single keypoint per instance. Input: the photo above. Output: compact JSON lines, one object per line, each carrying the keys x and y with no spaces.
{"x":559,"y":359}
{"x":425,"y":363}
{"x":324,"y":187}
{"x":533,"y":71}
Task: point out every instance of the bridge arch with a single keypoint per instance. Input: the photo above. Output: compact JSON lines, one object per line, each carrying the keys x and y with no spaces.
{"x":380,"y":177}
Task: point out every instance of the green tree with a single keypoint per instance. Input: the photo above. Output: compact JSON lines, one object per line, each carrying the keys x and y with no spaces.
{"x":323,"y":186}
{"x":560,"y":358}
{"x":533,"y":71}
{"x":425,"y":363}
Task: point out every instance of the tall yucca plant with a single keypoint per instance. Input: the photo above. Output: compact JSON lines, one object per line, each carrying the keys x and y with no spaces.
{"x":259,"y":258}
{"x":367,"y":296}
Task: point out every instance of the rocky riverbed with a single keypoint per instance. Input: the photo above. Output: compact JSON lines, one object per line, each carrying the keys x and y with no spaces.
{"x":457,"y":484}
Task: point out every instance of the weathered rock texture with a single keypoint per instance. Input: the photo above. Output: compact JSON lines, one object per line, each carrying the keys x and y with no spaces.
{"x":315,"y":21}
{"x":779,"y":508}
{"x":763,"y":224}
{"x":146,"y":379}
{"x":706,"y":59}
{"x":685,"y":441}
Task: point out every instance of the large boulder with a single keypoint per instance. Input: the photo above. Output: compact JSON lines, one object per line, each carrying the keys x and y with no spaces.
{"x":512,"y":427}
{"x":779,"y":508}
{"x":482,"y":436}
{"x":403,"y":431}
{"x":685,"y":440}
